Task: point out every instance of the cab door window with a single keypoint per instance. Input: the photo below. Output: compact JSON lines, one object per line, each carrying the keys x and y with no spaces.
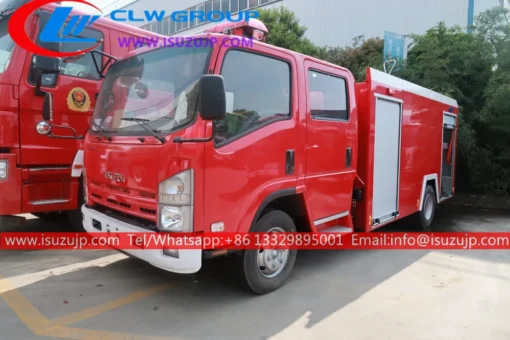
{"x":82,"y":67}
{"x":327,"y":96}
{"x":257,"y":91}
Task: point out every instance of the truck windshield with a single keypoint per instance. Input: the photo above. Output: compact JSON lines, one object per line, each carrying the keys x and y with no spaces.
{"x":158,"y":88}
{"x":6,"y":46}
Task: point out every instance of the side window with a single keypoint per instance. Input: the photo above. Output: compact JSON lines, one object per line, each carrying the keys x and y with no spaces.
{"x":258,"y":92}
{"x":328,"y":96}
{"x":82,"y":67}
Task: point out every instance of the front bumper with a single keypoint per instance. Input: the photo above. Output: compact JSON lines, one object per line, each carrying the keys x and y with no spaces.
{"x":10,"y":188}
{"x":189,"y":261}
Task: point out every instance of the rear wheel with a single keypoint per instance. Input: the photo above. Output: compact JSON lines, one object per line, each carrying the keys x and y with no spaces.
{"x":426,"y":215}
{"x":266,"y":270}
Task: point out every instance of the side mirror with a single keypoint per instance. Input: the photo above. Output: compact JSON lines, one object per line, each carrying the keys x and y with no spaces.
{"x":212,"y":105}
{"x":45,"y":66}
{"x":141,"y":90}
{"x":47,"y":109}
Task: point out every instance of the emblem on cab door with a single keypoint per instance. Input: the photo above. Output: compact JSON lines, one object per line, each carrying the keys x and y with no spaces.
{"x":78,"y":100}
{"x":115,"y":177}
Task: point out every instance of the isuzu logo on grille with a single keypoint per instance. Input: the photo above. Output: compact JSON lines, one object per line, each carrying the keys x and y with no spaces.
{"x":115,"y":176}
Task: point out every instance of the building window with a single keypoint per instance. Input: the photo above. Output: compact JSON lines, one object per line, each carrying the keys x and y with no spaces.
{"x":208,"y":8}
{"x":253,"y":3}
{"x":159,"y":27}
{"x":200,"y":8}
{"x":234,"y":6}
{"x":184,"y":24}
{"x":166,"y":25}
{"x":269,"y":79}
{"x":216,"y":7}
{"x":225,"y":5}
{"x":327,"y":96}
{"x":243,"y":4}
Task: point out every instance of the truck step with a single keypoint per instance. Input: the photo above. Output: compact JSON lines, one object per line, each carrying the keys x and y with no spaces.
{"x":336,"y":229}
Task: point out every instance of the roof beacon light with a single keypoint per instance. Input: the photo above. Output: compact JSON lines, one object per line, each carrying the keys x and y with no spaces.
{"x":254,"y":29}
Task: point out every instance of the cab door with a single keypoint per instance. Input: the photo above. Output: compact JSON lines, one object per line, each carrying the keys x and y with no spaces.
{"x":74,"y":94}
{"x":254,"y":153}
{"x":331,"y":142}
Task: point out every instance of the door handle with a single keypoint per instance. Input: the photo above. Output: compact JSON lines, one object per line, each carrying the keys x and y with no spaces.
{"x":289,"y":162}
{"x":348,"y":157}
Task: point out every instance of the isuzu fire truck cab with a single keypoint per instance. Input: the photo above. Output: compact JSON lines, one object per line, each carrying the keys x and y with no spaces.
{"x":42,"y":175}
{"x":260,"y":139}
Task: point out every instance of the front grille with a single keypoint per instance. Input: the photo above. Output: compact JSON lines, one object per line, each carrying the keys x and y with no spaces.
{"x":114,"y":188}
{"x":136,"y":221}
{"x":147,"y":195}
{"x":124,"y":205}
{"x":148,"y":211}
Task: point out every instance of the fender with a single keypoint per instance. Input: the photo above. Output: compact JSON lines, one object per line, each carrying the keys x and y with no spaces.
{"x":77,"y":167}
{"x":424,"y":185}
{"x":270,"y":198}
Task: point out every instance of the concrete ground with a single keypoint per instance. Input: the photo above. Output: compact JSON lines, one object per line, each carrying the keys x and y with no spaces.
{"x":351,"y":295}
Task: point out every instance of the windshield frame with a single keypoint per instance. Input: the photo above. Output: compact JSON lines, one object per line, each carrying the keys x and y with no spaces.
{"x":125,"y":132}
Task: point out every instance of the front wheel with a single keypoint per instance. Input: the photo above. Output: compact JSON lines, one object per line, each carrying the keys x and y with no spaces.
{"x":266,"y":270}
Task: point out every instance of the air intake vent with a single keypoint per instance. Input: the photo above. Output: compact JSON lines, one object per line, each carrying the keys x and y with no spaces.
{"x":147,"y":194}
{"x":124,"y":205}
{"x":114,"y":188}
{"x":148,"y":211}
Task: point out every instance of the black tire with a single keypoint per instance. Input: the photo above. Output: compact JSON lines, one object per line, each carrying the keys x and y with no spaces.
{"x":251,"y":274}
{"x":426,"y":215}
{"x":75,"y":217}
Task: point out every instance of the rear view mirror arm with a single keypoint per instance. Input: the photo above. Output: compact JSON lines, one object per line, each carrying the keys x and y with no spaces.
{"x":180,"y":140}
{"x":111,"y":60}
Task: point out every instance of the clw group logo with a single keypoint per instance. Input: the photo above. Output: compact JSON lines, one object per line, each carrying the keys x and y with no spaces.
{"x":60,"y":28}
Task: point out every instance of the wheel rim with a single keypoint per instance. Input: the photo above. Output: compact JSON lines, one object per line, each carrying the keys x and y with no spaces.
{"x":271,"y":262}
{"x":429,"y":207}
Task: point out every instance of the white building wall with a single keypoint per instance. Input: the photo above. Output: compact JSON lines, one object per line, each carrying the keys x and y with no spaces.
{"x":337,"y":22}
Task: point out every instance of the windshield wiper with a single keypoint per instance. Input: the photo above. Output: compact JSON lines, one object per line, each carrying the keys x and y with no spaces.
{"x":101,"y":131}
{"x":143,"y":123}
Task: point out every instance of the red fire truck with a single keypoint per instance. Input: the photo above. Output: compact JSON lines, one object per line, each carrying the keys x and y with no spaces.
{"x":260,"y":139}
{"x":41,"y":175}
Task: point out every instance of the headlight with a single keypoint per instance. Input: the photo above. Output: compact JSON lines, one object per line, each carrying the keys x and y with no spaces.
{"x":177,"y":189}
{"x":3,"y":169}
{"x":175,"y":203}
{"x":176,"y":219}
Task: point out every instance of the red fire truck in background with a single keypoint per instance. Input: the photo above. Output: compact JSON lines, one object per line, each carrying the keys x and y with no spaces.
{"x":259,"y":139}
{"x":41,"y":175}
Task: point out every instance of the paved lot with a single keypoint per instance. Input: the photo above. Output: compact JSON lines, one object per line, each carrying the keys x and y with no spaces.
{"x":396,"y":295}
